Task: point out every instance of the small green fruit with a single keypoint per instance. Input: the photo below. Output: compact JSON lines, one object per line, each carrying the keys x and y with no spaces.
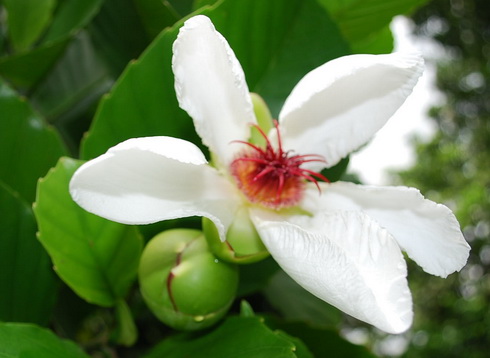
{"x":183,"y":283}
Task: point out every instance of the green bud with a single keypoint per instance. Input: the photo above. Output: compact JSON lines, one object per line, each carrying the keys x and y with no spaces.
{"x":243,"y":244}
{"x":183,"y":283}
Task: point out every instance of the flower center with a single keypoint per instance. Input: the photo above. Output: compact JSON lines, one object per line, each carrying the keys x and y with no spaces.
{"x":272,"y":177}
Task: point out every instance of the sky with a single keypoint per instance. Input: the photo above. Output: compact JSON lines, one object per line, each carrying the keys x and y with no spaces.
{"x":391,"y":148}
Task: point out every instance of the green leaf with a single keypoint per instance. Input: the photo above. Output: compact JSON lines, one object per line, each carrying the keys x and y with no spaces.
{"x":97,"y":258}
{"x":254,"y":278}
{"x":72,"y":89}
{"x":237,"y":337}
{"x":277,"y":42}
{"x":336,"y":172}
{"x":301,"y":350}
{"x":155,"y":15}
{"x":26,"y":69}
{"x":28,"y":147}
{"x":379,"y":42}
{"x":359,"y":19}
{"x":143,"y":101}
{"x":119,"y":34}
{"x":29,"y":287}
{"x":27,"y":19}
{"x":323,"y":342}
{"x":295,"y":303}
{"x":29,"y":341}
{"x":72,"y":16}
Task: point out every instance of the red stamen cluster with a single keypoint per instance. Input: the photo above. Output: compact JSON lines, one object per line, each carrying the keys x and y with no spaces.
{"x":272,"y":177}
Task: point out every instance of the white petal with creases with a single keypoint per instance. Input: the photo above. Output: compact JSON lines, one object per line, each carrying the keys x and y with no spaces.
{"x":211,"y":87}
{"x":145,"y":180}
{"x":340,"y":105}
{"x":345,"y":259}
{"x":428,"y":232}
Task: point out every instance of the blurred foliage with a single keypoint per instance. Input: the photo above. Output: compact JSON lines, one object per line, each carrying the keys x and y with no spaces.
{"x":453,"y":315}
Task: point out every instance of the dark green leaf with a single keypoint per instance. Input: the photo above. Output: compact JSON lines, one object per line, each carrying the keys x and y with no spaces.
{"x":29,"y":341}
{"x":26,"y":69}
{"x":119,"y":34}
{"x":335,"y":173}
{"x":255,"y":277}
{"x":156,"y":15}
{"x":301,"y":350}
{"x":278,"y":42}
{"x":237,"y":337}
{"x":323,"y":342}
{"x":28,"y":284}
{"x":143,"y":101}
{"x":72,"y":16}
{"x":196,"y":4}
{"x":97,"y":258}
{"x":295,"y":303}
{"x":72,"y":89}
{"x":28,"y":147}
{"x":27,"y":19}
{"x":185,"y":7}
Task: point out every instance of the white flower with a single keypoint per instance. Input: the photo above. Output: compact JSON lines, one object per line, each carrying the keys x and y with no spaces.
{"x":348,"y":251}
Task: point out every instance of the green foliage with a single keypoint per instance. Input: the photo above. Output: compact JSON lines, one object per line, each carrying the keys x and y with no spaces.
{"x":99,"y":72}
{"x":25,"y":340}
{"x":25,"y":66}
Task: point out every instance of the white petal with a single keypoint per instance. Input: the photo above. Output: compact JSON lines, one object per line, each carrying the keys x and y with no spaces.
{"x":428,"y":232}
{"x":347,"y":260}
{"x":211,"y":87}
{"x":340,"y":105}
{"x":145,"y":180}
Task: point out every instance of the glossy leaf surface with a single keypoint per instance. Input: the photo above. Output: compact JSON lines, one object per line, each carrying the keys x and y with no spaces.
{"x":272,"y":65}
{"x":27,"y":281}
{"x":28,"y":147}
{"x":29,"y":341}
{"x":97,"y":258}
{"x":237,"y":337}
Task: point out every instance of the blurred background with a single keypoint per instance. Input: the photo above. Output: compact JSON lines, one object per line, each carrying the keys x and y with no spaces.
{"x":447,"y":158}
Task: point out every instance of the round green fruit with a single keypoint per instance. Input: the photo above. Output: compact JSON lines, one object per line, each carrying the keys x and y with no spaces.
{"x":183,"y":283}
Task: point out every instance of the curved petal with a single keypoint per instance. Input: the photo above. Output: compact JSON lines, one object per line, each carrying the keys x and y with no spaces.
{"x":211,"y":87}
{"x":428,"y":232}
{"x":345,"y":259}
{"x":340,"y":105}
{"x":145,"y":180}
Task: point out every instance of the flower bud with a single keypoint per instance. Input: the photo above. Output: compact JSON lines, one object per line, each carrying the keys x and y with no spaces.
{"x":183,"y":283}
{"x":243,"y":244}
